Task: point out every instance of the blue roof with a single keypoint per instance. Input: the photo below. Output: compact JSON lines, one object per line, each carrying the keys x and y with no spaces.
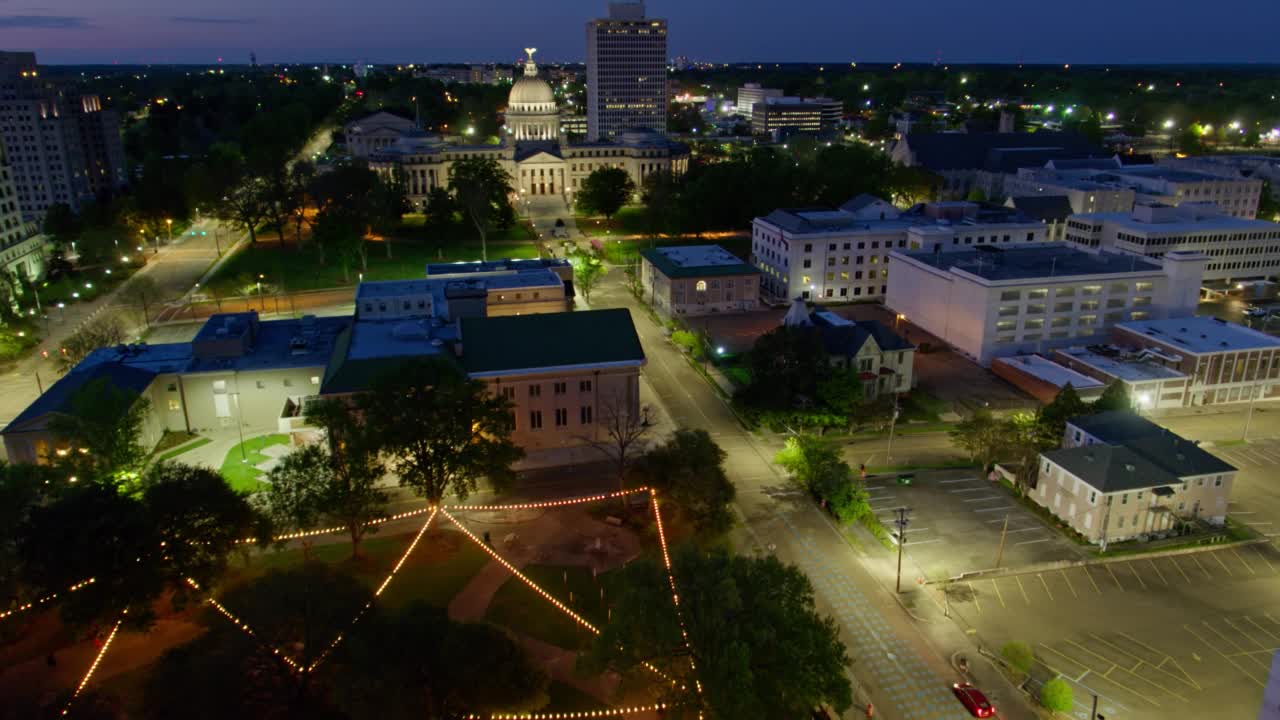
{"x":280,"y":344}
{"x":58,"y":398}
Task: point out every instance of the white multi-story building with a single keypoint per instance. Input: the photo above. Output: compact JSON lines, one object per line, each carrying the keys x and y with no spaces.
{"x":752,"y":93}
{"x":626,"y":72}
{"x":843,"y":255}
{"x":1237,"y":248}
{"x":1108,"y":183}
{"x":993,"y":301}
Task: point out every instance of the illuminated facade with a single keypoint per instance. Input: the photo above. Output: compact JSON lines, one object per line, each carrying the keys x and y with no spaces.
{"x":626,"y":72}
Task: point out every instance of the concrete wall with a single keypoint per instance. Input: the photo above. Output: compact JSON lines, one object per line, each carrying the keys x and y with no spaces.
{"x":261,"y":396}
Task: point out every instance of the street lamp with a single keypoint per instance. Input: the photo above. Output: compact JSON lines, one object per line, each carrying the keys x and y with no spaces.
{"x":169,"y":223}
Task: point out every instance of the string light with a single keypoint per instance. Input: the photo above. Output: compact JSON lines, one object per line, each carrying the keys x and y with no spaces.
{"x":247,"y":629}
{"x":613,"y":712}
{"x":36,"y":603}
{"x":675,"y":593}
{"x":93,"y":666}
{"x":550,"y":503}
{"x":376,"y":593}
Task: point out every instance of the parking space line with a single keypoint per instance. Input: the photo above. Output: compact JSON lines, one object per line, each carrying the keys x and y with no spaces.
{"x":999,"y":596}
{"x":995,"y":509}
{"x":1261,"y":629}
{"x":1140,"y":661}
{"x":1019,"y":530}
{"x":1046,"y":586}
{"x":1023,"y":589}
{"x":1091,"y":580}
{"x":968,"y":490}
{"x":1134,"y":570}
{"x":1226,"y":657}
{"x":1224,"y":565}
{"x":1069,"y":585}
{"x":1179,"y":567}
{"x":983,"y":499}
{"x":1115,"y":666}
{"x":1252,"y":639}
{"x":1202,"y":569}
{"x":1033,"y":542}
{"x":1234,"y":644}
{"x":1157,"y":569}
{"x":952,"y":482}
{"x":1113,"y":577}
{"x":1242,"y":562}
{"x":1186,"y":676}
{"x":974,"y":592}
{"x":1087,"y":670}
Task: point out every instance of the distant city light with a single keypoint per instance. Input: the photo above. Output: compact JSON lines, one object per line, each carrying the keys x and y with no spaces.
{"x":1111,"y":116}
{"x":1168,"y":124}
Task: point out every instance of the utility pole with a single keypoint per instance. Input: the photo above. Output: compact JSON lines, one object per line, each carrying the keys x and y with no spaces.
{"x":1106,"y":517}
{"x":1004,"y":532}
{"x":1248,"y":418}
{"x":893,"y":422}
{"x":901,"y":522}
{"x":1094,"y":712}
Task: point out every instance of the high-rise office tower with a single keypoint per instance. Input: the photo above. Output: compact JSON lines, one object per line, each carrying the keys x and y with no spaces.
{"x":626,"y":72}
{"x":62,"y":148}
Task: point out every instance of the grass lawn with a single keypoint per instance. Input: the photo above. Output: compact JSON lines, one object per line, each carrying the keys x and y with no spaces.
{"x":442,"y":564}
{"x":289,"y":269}
{"x":519,"y":608}
{"x":185,"y":446}
{"x":920,"y":405}
{"x":239,"y":469}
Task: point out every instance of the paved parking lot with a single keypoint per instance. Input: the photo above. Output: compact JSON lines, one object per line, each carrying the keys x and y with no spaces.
{"x":1255,"y":497}
{"x":956,"y":523}
{"x":1150,"y":636}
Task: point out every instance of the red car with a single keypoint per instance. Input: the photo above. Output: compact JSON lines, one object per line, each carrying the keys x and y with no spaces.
{"x":973,"y":700}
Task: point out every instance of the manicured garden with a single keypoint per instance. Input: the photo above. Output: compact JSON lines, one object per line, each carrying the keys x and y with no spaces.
{"x":238,"y":467}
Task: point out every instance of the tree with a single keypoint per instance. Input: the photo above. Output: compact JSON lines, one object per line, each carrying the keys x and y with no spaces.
{"x":101,"y":432}
{"x":143,"y":291}
{"x":336,"y":482}
{"x":786,"y":365}
{"x":843,"y":392}
{"x":199,"y":519}
{"x":816,"y":465}
{"x":981,"y":435}
{"x":1114,"y":397}
{"x":61,"y":222}
{"x":1066,"y":405}
{"x":605,"y":191}
{"x":1026,"y":436}
{"x":387,"y":206}
{"x":23,"y":487}
{"x":1056,"y":696}
{"x":760,"y":648}
{"x":442,"y":430}
{"x":482,"y":189}
{"x":977,"y":195}
{"x":626,"y":428}
{"x":659,"y":198}
{"x":246,"y":205}
{"x":295,"y":613}
{"x":419,"y":664}
{"x":1268,"y":205}
{"x":689,"y":471}
{"x":587,"y":272}
{"x":301,"y":178}
{"x":103,"y":331}
{"x":1019,"y":657}
{"x":339,"y":233}
{"x":440,"y":212}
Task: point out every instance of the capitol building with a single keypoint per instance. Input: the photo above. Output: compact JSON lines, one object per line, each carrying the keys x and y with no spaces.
{"x":534,"y":150}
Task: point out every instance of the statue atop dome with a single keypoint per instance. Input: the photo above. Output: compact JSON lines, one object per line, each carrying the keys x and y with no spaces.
{"x":530,"y":67}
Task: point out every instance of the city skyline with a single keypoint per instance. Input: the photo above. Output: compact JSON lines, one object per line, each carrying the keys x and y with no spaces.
{"x":148,"y":31}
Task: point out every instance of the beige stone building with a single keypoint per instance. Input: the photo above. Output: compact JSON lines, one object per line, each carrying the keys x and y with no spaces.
{"x":698,"y":280}
{"x":1121,"y":477}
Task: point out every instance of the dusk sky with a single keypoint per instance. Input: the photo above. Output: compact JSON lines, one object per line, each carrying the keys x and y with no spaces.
{"x":1113,"y":31}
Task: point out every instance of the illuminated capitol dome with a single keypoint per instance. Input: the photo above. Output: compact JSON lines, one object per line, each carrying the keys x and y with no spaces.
{"x":531,"y":108}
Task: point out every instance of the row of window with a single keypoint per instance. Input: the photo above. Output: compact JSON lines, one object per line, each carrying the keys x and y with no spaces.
{"x":561,"y":417}
{"x":1119,"y":288}
{"x":559,"y":388}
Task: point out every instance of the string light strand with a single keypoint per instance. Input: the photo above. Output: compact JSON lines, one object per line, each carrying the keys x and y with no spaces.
{"x":93,"y":666}
{"x":48,"y":598}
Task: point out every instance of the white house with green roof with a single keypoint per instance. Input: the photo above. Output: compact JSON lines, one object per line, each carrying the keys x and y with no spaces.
{"x":692,"y":280}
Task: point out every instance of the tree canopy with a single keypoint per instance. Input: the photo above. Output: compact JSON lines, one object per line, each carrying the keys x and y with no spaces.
{"x":101,"y":433}
{"x":605,"y":191}
{"x":688,"y":470}
{"x":483,"y":190}
{"x":760,"y":647}
{"x":442,"y":431}
{"x":786,"y":364}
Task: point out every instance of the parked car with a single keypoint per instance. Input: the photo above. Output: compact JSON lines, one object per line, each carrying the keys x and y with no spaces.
{"x":1255,"y":312}
{"x":973,"y":700}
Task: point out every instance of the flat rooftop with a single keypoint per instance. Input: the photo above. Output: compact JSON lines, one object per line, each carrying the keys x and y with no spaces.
{"x":1201,"y":335}
{"x":1049,"y":371}
{"x":1031,"y":261}
{"x":392,"y":288}
{"x":1182,"y":223}
{"x":1163,"y":172}
{"x":701,"y":260}
{"x":435,"y":270}
{"x":282,"y":344}
{"x":1117,"y":367}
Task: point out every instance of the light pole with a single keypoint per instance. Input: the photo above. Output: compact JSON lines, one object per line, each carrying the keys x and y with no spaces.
{"x":169,"y":223}
{"x":901,"y":522}
{"x":893,"y":423}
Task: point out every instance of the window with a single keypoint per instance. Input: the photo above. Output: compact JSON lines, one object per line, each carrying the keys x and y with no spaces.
{"x":1006,"y":325}
{"x":1120,"y":288}
{"x":1091,"y":290}
{"x":585,"y":414}
{"x":1217,"y":482}
{"x":584,"y":386}
{"x":1063,"y":307}
{"x":315,"y":379}
{"x":173,"y":387}
{"x":1124,"y":499}
{"x":1007,"y":310}
{"x":535,"y":420}
{"x":560,"y":388}
{"x":1065,"y":292}
{"x":1038,"y":294}
{"x":1142,"y":287}
{"x":562,"y":417}
{"x":1035,"y":309}
{"x":1008,"y":295}
{"x":535,"y":391}
{"x":260,"y":384}
{"x":1093,"y":495}
{"x":509,"y":393}
{"x":174,"y":404}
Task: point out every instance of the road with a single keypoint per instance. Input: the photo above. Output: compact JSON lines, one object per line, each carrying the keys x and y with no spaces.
{"x":901,"y":664}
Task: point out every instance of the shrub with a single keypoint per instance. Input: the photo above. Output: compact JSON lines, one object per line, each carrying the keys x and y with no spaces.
{"x":1019,"y":656}
{"x":1056,"y":696}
